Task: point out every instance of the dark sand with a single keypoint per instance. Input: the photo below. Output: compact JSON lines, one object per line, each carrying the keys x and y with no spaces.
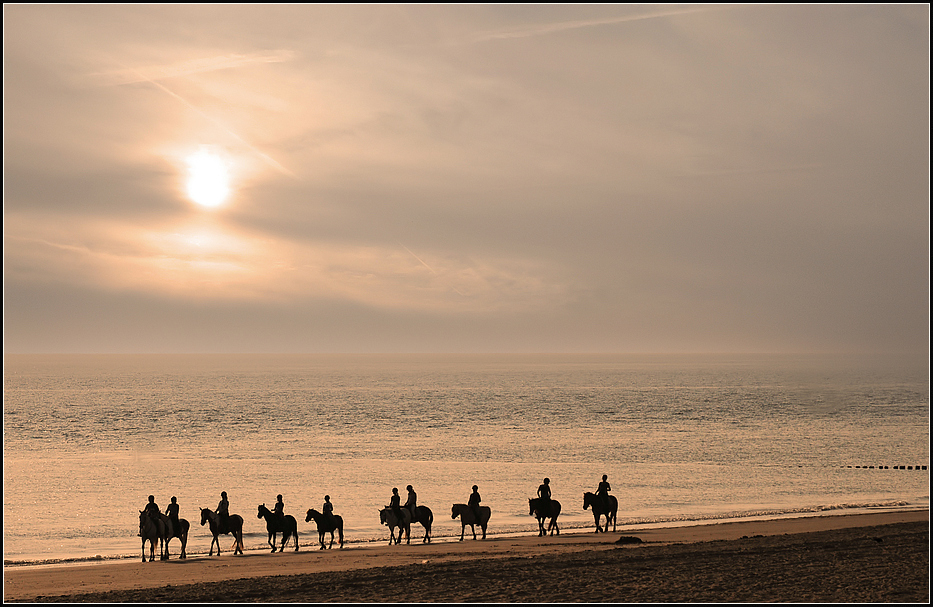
{"x":881,"y":557}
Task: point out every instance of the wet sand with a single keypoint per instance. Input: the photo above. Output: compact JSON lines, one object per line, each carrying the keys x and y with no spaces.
{"x":877,"y":557}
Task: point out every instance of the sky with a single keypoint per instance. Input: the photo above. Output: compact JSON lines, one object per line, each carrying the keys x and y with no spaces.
{"x":466,"y":178}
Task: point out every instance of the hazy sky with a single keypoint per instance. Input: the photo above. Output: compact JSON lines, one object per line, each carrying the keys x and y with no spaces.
{"x":472,"y":178}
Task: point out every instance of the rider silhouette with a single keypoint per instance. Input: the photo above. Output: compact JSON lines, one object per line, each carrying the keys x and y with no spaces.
{"x":474,"y":501}
{"x":152,"y":509}
{"x":223,"y":510}
{"x":544,"y":492}
{"x":279,"y":509}
{"x":602,"y":491}
{"x":394,"y":502}
{"x":172,"y":511}
{"x":328,"y":509}
{"x":412,"y":502}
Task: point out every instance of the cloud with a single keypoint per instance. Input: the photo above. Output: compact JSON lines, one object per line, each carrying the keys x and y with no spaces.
{"x":204,"y":261}
{"x":189,"y":67}
{"x":544,"y":29}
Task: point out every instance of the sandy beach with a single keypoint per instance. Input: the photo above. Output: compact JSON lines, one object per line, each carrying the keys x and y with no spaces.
{"x":877,"y":557}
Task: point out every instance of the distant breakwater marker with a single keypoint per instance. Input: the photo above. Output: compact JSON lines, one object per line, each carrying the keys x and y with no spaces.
{"x":889,"y":467}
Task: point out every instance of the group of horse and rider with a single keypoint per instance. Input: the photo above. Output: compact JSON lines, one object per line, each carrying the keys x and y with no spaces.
{"x":156,"y":526}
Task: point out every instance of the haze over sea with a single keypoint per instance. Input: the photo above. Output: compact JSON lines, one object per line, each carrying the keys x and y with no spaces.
{"x":682,"y":438}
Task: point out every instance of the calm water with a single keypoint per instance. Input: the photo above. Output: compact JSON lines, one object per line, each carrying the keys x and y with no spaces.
{"x":87,"y":438}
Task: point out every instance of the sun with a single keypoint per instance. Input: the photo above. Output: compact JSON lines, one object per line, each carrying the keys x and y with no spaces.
{"x":208,"y":179}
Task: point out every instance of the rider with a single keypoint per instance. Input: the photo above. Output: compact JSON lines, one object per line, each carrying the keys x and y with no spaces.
{"x":279,"y":509}
{"x":602,"y":491}
{"x":544,"y":492}
{"x":328,"y":509}
{"x":172,"y":511}
{"x":152,"y":509}
{"x":474,"y":501}
{"x":394,"y":502}
{"x":223,"y":510}
{"x":412,"y":501}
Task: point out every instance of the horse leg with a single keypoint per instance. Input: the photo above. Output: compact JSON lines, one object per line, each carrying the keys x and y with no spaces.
{"x":462,"y":529}
{"x":184,"y":544}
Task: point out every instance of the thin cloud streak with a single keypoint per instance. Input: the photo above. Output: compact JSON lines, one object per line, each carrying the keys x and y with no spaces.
{"x":272,"y":162}
{"x":551,"y":28}
{"x":152,"y":73}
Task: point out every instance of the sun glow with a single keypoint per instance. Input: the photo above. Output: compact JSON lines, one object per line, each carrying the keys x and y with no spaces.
{"x":208,"y":179}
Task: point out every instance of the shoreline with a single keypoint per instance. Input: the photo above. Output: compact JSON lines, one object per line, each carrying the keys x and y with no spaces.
{"x":209,"y":578}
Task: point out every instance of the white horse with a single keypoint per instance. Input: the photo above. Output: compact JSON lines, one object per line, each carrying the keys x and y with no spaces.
{"x":388,"y":517}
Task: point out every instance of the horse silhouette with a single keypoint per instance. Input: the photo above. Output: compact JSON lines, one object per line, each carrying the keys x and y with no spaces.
{"x":468,"y":518}
{"x":544,"y":508}
{"x":150,"y":532}
{"x":599,"y":509}
{"x":234,"y":527}
{"x":424,"y":516}
{"x":388,"y":517}
{"x":286,"y":525}
{"x":324,"y":525}
{"x":164,"y":531}
{"x":182,"y":534}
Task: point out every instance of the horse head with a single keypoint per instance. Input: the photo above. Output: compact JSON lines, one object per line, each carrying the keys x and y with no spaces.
{"x":587,"y":500}
{"x":262,"y":511}
{"x":312,"y":514}
{"x":205,"y":515}
{"x":531,"y":506}
{"x":382,"y":516}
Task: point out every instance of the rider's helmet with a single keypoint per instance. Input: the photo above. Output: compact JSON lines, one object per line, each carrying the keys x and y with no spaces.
{"x":475,"y":487}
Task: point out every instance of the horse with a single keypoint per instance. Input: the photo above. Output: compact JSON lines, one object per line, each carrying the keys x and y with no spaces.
{"x":325,"y":524}
{"x":287,"y":525}
{"x":424,"y":516}
{"x":388,"y":517}
{"x":182,"y":535}
{"x":544,"y":508}
{"x":599,"y":509}
{"x":234,"y":527}
{"x":468,"y":518}
{"x":150,"y":532}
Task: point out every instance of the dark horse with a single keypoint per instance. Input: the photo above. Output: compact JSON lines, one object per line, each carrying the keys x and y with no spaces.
{"x":287,"y":526}
{"x":545,"y":508}
{"x":424,"y":516}
{"x":467,"y":518}
{"x":182,"y":534}
{"x":325,"y":524}
{"x":234,"y":526}
{"x":599,"y":509}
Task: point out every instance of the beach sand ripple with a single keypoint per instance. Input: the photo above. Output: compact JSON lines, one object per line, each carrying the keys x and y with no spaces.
{"x":886,"y":563}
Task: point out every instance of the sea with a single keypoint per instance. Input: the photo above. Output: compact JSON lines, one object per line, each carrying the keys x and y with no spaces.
{"x":683,"y":439}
